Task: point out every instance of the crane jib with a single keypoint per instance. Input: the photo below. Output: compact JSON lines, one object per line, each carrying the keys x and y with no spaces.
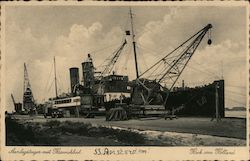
{"x":169,"y":68}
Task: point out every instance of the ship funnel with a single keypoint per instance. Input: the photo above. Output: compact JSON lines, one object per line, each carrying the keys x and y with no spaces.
{"x":74,"y":78}
{"x":88,"y":72}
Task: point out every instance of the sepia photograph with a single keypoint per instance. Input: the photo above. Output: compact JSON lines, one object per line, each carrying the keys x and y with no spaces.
{"x":125,"y":75}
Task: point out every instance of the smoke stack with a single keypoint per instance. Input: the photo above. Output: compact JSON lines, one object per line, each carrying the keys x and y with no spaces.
{"x":74,"y":78}
{"x":88,"y":72}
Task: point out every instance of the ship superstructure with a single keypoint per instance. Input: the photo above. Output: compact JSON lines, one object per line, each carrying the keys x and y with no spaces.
{"x":81,"y":100}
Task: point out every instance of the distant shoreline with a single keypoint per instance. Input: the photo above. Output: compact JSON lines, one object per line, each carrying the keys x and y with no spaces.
{"x":235,"y":109}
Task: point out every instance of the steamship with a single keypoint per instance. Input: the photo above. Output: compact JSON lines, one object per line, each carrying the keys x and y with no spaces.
{"x":84,"y":98}
{"x":152,"y":92}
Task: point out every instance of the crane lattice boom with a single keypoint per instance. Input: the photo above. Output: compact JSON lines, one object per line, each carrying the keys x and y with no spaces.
{"x":168,"y":69}
{"x":111,"y":62}
{"x":109,"y":67}
{"x":28,"y":99}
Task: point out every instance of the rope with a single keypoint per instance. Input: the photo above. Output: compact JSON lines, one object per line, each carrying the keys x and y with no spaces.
{"x":50,"y":85}
{"x":143,"y":58}
{"x":102,"y":49}
{"x":47,"y":82}
{"x":125,"y":65}
{"x":202,"y":71}
{"x":107,"y":59}
{"x":153,"y":52}
{"x":212,"y":73}
{"x":227,"y":98}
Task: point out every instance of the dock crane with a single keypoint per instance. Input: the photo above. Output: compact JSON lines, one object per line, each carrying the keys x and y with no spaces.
{"x":28,"y":99}
{"x":109,"y":67}
{"x":169,"y":68}
{"x":17,"y":105}
{"x":13,"y":100}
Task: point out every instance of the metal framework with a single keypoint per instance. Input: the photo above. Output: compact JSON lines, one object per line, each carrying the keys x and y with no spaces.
{"x":26,"y":79}
{"x":167,"y":70}
{"x":109,"y":67}
{"x":28,"y":99}
{"x":111,"y":62}
{"x":13,"y":100}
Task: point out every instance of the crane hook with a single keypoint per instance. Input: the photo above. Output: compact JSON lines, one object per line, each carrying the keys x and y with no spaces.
{"x":209,"y":42}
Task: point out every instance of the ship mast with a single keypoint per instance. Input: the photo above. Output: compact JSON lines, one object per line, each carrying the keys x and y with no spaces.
{"x":55,"y":76}
{"x":134,"y":43}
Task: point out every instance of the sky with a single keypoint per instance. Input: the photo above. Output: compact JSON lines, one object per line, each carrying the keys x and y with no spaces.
{"x":35,"y":34}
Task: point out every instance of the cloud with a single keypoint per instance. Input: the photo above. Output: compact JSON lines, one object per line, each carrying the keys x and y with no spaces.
{"x":70,"y":50}
{"x":22,"y":42}
{"x":81,"y":40}
{"x":156,"y":32}
{"x":22,"y":46}
{"x":156,"y":38}
{"x":225,"y":57}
